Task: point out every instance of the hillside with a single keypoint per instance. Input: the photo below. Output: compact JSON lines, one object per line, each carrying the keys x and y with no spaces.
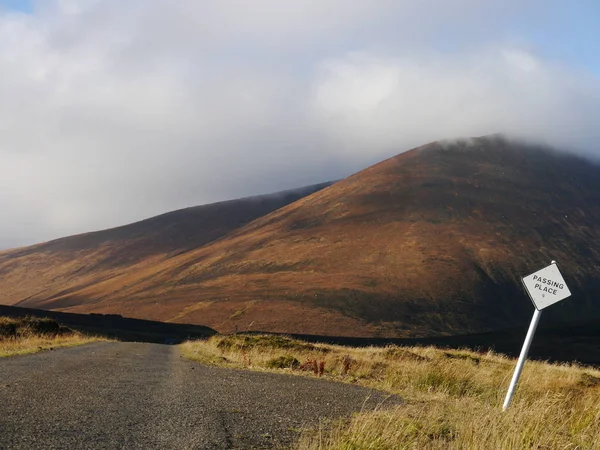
{"x":36,"y":274}
{"x":430,"y":242}
{"x":112,"y":326}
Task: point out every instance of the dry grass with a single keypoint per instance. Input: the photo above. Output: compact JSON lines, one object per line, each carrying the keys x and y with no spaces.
{"x":26,"y":335}
{"x":453,"y":397}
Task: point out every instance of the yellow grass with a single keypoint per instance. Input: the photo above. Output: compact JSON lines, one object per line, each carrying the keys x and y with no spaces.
{"x":19,"y":336}
{"x":453,"y":398}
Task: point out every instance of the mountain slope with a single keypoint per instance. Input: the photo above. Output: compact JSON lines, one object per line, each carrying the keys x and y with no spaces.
{"x":31,"y":275}
{"x":430,"y":242}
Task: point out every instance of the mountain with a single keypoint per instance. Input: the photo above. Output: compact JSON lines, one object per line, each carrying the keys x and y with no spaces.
{"x":39,"y":274}
{"x":430,"y":242}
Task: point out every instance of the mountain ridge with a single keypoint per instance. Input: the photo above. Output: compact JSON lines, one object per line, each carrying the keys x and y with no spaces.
{"x":99,"y":256}
{"x":430,"y":242}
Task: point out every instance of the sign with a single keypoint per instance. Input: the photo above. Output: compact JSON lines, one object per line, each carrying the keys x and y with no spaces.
{"x":546,"y":287}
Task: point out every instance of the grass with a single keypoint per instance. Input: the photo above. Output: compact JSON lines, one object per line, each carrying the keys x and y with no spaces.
{"x":453,"y":398}
{"x":24,"y":335}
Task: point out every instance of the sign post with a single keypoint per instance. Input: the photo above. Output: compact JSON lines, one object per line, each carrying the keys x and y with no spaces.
{"x":545,"y":287}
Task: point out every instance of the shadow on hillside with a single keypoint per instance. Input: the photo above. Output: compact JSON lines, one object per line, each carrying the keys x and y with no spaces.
{"x":566,"y":343}
{"x":113,"y":326}
{"x":575,"y":342}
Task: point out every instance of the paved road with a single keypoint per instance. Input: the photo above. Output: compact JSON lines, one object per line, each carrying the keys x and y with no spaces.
{"x":146,"y":396}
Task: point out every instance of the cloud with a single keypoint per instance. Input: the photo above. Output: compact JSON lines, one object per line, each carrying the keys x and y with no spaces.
{"x":115,"y":111}
{"x":387,"y":102}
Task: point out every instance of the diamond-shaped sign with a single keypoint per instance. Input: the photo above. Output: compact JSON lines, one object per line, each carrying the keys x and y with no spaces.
{"x":546,"y":287}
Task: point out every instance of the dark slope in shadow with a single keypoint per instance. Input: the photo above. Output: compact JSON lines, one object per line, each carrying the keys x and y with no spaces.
{"x":574,"y":342}
{"x":117,"y":327}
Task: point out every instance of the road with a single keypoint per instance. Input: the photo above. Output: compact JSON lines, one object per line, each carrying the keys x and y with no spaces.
{"x":113,"y":395}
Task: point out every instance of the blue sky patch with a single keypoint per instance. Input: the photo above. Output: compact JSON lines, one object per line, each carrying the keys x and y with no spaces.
{"x":18,"y":5}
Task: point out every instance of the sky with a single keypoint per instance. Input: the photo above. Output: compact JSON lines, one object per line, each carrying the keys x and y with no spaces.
{"x":113,"y":111}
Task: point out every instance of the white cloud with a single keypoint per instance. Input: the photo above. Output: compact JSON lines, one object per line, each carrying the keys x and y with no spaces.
{"x":113,"y":111}
{"x":388,"y":102}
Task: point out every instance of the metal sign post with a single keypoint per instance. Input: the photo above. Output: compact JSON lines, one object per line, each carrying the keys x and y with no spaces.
{"x":545,"y":287}
{"x":522,"y":357}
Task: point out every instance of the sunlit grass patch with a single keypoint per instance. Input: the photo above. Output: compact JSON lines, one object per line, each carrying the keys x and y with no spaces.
{"x":26,"y":335}
{"x":453,"y":398}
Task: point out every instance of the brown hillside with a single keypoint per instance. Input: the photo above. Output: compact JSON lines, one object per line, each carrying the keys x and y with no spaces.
{"x":430,"y":242}
{"x":39,"y":273}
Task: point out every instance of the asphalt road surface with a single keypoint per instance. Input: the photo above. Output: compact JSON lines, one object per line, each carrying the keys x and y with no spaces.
{"x":146,"y":396}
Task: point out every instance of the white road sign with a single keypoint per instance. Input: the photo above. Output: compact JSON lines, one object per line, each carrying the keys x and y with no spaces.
{"x":546,"y":287}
